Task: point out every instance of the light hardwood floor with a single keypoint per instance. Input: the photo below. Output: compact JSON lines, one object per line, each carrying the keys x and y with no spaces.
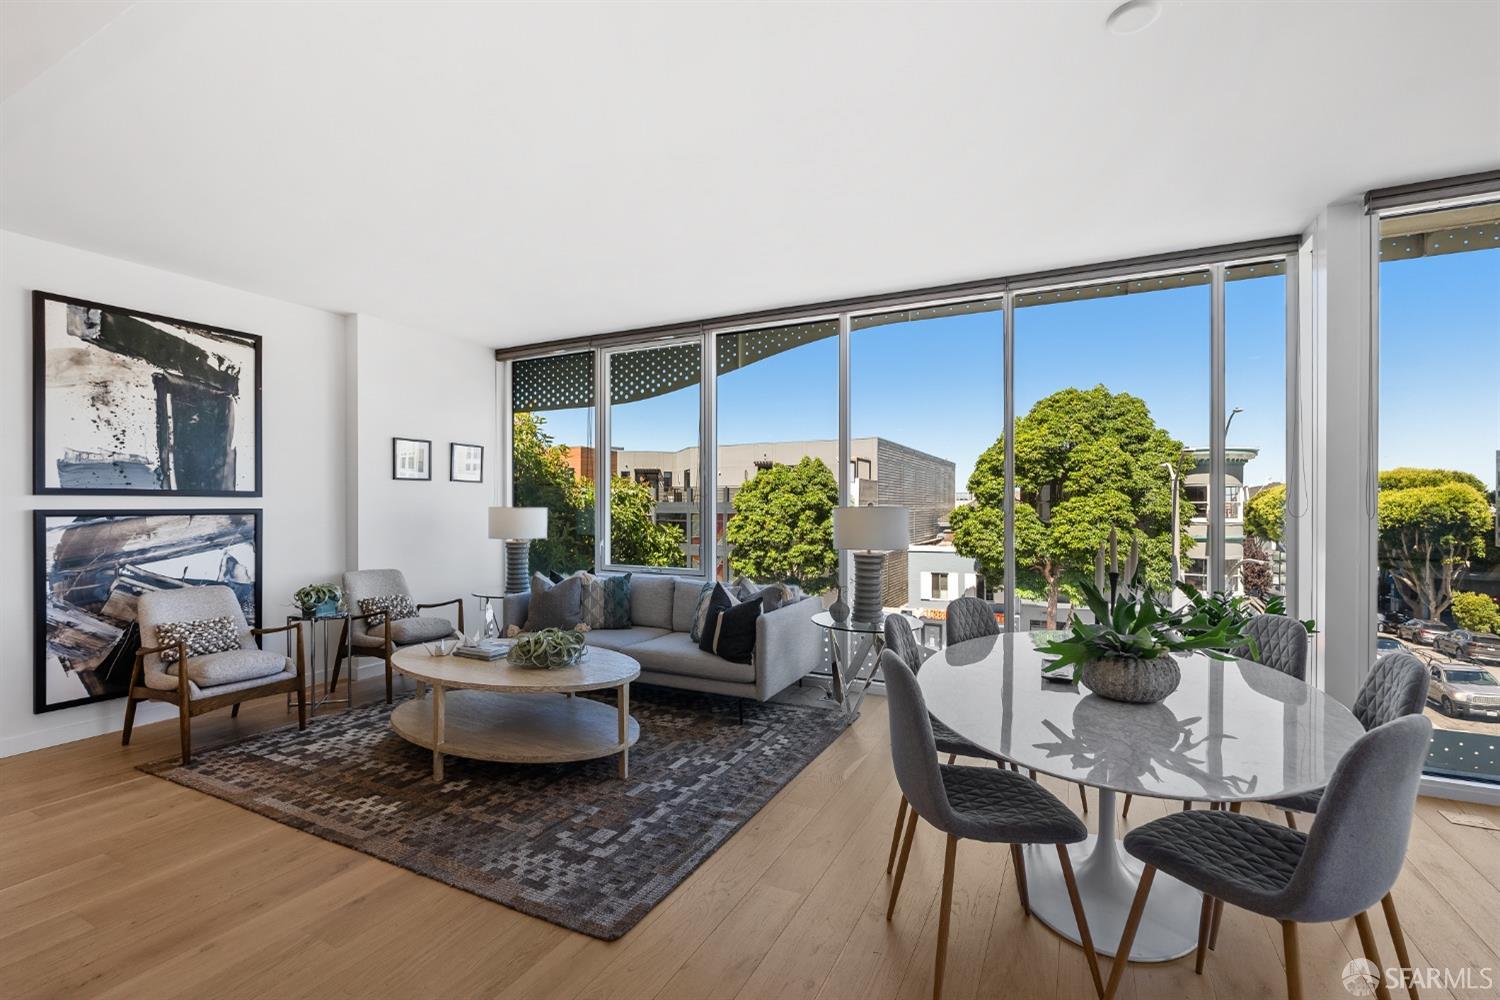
{"x":116,"y":884}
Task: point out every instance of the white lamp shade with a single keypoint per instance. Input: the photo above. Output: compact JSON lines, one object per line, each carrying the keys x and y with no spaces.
{"x":518,"y":522}
{"x":871,"y":529}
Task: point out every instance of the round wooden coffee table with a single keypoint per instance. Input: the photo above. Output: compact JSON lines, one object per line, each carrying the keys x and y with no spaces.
{"x":496,"y":711}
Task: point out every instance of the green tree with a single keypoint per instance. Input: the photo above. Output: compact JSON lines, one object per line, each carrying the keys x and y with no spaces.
{"x":635,"y":538}
{"x":1476,"y":612}
{"x":544,"y":478}
{"x":1432,"y":523}
{"x":1087,"y":460}
{"x":1265,"y":514}
{"x":782,"y":528}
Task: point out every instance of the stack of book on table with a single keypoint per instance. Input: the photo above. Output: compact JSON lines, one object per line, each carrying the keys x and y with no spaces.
{"x":485,"y":649}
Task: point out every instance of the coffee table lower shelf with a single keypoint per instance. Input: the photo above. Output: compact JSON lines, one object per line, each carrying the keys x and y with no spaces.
{"x":541,"y":728}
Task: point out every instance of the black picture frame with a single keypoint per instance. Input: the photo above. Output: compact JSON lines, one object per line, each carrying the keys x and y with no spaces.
{"x":40,"y":486}
{"x":118,"y":661}
{"x":396,"y":443}
{"x":453,"y":476}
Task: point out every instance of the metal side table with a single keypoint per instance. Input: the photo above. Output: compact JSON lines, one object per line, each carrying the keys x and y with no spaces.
{"x":329,"y":651}
{"x":853,"y":670}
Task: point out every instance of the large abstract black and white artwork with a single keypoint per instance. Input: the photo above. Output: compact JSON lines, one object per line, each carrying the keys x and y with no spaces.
{"x":92,"y":566}
{"x":130,"y":402}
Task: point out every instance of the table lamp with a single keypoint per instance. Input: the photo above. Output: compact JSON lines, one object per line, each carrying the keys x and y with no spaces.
{"x":517,"y":526}
{"x":869,"y":533}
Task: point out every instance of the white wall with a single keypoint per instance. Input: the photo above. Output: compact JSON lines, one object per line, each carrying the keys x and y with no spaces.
{"x":303,"y":426}
{"x":416,"y":384}
{"x":336,"y":388}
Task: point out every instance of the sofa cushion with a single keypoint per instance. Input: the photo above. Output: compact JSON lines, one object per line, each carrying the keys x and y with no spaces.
{"x":733,"y":631}
{"x":651,"y":600}
{"x":685,"y":603}
{"x":232,"y":666}
{"x":606,"y":601}
{"x":700,"y":610}
{"x":554,"y":605}
{"x":423,"y":629}
{"x":675,"y":653}
{"x":623,"y":638}
{"x":720,"y":599}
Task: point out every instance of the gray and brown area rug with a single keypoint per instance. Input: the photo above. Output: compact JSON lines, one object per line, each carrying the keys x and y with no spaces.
{"x":569,"y":843}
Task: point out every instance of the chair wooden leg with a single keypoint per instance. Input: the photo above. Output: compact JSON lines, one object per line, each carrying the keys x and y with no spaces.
{"x":1367,"y":942}
{"x":234,"y":712}
{"x":1018,"y":861}
{"x":1127,"y":937}
{"x":952,"y":757}
{"x":1083,"y":793}
{"x":1291,"y":818}
{"x":129,"y":720}
{"x":1213,"y":930}
{"x":1235,"y":807}
{"x":911,"y":830}
{"x":389,"y":690}
{"x":949,"y":857}
{"x":1125,"y":809}
{"x":1388,"y":904}
{"x":1204,"y":919}
{"x":1187,"y":804}
{"x":1031,"y":773}
{"x":1080,"y":917}
{"x":185,"y":731}
{"x":896,"y":836}
{"x":1293,"y":962}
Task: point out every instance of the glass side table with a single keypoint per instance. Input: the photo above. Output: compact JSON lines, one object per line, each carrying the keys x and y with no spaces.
{"x":344,"y":643}
{"x":493,"y":626}
{"x":853,"y":670}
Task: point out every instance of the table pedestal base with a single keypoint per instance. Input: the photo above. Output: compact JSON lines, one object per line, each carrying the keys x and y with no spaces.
{"x":1107,"y":881}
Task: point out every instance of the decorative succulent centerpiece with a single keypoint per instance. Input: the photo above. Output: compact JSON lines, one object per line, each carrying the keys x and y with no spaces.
{"x":1126,"y":655}
{"x":549,"y":649}
{"x":318,"y":599}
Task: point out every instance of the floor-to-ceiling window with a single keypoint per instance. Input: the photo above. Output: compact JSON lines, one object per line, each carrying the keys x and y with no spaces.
{"x":1112,"y":389}
{"x":926,"y":419}
{"x":777,"y":405}
{"x":655,"y":463}
{"x":553,"y":459}
{"x":1439,"y":465}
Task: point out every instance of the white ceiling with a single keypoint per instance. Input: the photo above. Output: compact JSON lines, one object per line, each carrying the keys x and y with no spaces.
{"x":512,"y":173}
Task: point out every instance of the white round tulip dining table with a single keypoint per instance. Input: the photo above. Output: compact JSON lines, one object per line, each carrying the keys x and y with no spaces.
{"x":1233,"y":731}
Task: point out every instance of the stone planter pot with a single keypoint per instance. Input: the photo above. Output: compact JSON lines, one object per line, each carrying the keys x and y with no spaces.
{"x":1141,"y":682}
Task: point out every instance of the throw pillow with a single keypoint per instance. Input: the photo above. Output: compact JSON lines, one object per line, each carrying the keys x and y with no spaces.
{"x":202,"y":636}
{"x":554,"y":605}
{"x":719,"y":600}
{"x":700,"y":612}
{"x":606,"y":601}
{"x":396,"y":606}
{"x":734,"y":631}
{"x":745,"y":588}
{"x":777,"y":595}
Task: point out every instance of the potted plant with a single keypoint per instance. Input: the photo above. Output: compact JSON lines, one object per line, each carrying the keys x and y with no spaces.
{"x":1126,"y":654}
{"x":317,"y":599}
{"x":1218,"y":606}
{"x":549,"y":649}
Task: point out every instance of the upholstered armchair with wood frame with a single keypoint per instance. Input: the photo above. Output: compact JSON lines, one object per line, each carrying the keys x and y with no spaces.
{"x":389,"y":632}
{"x":198,"y":682}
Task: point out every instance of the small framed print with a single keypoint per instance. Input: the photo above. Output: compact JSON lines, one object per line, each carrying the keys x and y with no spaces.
{"x":465,"y":463}
{"x":411,"y":458}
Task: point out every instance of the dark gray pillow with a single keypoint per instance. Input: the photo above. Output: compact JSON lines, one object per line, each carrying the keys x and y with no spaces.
{"x":733,"y":631}
{"x":554,"y":605}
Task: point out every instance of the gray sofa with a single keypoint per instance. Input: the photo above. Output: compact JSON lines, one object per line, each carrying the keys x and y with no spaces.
{"x":787,"y":644}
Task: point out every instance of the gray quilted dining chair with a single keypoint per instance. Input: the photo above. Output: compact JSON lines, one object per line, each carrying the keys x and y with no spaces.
{"x":1281,"y":644}
{"x":970,"y":618}
{"x":383,"y":640}
{"x":900,"y":640}
{"x":1346,"y":864}
{"x":1395,"y":686}
{"x":990,"y":805}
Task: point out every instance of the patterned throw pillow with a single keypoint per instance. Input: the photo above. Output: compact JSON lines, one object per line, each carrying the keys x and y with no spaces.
{"x":700,"y":612}
{"x":614,"y":600}
{"x":396,"y":606}
{"x":202,"y":636}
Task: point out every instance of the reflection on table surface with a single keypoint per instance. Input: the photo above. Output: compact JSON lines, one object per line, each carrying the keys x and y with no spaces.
{"x":1232,"y":729}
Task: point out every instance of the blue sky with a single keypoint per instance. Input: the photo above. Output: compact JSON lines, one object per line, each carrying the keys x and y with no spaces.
{"x":936,"y":384}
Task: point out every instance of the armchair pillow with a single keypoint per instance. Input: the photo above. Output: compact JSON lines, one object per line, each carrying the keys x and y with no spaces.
{"x":202,"y":636}
{"x":394,"y":606}
{"x":554,"y":605}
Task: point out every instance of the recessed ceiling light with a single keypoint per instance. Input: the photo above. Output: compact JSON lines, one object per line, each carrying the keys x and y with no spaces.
{"x":1132,"y":16}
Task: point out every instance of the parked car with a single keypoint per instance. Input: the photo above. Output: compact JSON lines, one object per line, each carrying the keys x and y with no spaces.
{"x":1460,"y":690}
{"x":1385,"y":646}
{"x":1420,"y":630}
{"x":1390,"y":621}
{"x":1476,"y":647}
